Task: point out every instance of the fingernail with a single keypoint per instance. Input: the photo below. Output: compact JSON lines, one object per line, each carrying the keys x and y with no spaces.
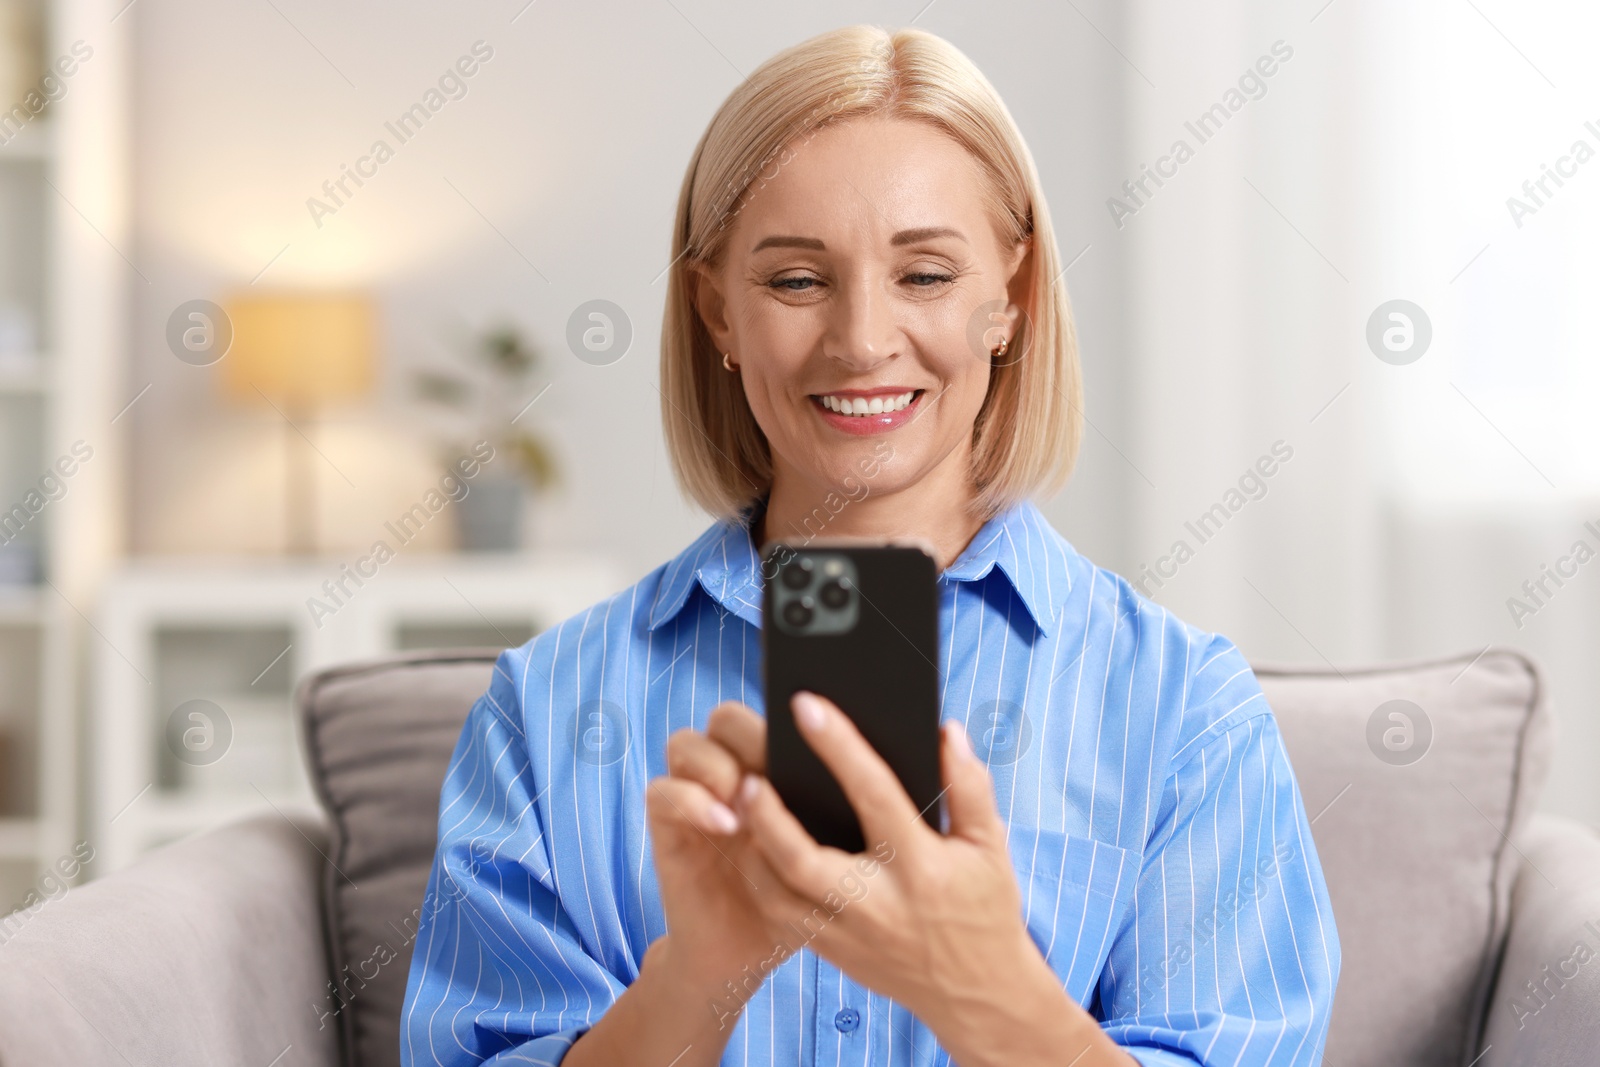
{"x":748,"y":789}
{"x":958,"y":737}
{"x":808,"y":711}
{"x":722,"y":818}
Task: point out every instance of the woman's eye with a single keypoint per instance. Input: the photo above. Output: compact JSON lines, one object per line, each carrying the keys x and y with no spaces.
{"x":796,"y":284}
{"x":925,"y":279}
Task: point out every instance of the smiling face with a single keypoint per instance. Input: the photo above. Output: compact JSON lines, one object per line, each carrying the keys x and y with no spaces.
{"x":849,"y":283}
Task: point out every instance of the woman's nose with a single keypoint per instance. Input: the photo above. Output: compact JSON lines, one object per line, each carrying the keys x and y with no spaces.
{"x":864,"y":331}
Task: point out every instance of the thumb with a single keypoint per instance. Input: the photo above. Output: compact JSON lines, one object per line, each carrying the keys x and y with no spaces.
{"x":969,"y":796}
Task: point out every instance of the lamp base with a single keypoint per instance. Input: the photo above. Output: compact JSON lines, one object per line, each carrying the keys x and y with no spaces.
{"x":300,"y":486}
{"x":489,"y":518}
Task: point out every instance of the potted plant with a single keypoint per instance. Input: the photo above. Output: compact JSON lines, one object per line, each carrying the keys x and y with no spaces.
{"x":494,"y":394}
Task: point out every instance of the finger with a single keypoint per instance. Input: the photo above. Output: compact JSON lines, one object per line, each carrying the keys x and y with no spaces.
{"x":685,"y":805}
{"x":969,"y":792}
{"x":784,"y":908}
{"x":808,"y":869}
{"x":693,"y":755}
{"x":874,"y":791}
{"x":742,"y":732}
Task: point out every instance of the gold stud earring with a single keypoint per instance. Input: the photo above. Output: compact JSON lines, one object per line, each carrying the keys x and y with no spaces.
{"x":726,"y":365}
{"x":1000,"y":349}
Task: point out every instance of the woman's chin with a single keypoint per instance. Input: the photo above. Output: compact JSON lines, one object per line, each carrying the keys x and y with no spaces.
{"x":859,"y":474}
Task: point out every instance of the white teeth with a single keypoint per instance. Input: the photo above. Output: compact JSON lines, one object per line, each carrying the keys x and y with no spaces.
{"x":878,"y":405}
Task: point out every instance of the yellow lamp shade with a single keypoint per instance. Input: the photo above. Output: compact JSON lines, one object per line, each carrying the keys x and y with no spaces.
{"x":303,"y":349}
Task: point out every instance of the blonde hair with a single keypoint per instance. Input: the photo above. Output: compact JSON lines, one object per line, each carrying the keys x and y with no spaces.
{"x":1025,"y":438}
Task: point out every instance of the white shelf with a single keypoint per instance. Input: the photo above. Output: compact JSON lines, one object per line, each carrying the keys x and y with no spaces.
{"x":80,"y":145}
{"x":202,"y":602}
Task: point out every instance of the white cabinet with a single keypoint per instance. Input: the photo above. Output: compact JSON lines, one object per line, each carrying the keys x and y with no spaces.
{"x":196,"y":663}
{"x":63,"y":281}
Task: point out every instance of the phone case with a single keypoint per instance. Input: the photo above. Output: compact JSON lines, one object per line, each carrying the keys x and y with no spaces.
{"x":874,"y":653}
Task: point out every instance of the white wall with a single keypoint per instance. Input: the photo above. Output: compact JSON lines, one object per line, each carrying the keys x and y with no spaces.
{"x":1420,"y":499}
{"x":1223,"y":317}
{"x":572,"y":142}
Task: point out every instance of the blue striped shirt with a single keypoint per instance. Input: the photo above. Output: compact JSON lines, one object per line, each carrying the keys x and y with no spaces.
{"x":1159,"y":840}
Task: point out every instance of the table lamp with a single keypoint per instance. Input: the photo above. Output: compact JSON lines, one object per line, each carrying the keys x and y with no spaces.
{"x":299,"y":352}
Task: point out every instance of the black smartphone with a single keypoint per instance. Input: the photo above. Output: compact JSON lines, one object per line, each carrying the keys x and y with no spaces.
{"x":858,"y":624}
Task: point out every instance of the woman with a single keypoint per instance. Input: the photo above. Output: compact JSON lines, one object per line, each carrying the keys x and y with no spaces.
{"x":866,"y":335}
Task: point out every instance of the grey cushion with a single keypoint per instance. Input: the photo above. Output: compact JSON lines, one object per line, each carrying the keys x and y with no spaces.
{"x":1416,"y":854}
{"x":1546,"y":1007}
{"x":378,"y":737}
{"x":206,"y":952}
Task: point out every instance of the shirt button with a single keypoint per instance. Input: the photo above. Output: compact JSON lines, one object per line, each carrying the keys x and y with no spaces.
{"x":847,"y":1020}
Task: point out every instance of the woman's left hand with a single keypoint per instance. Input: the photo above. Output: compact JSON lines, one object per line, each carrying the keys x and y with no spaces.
{"x":933,"y":921}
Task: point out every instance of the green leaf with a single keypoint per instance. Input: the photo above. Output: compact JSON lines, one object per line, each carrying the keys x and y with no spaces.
{"x":442,"y":388}
{"x":507,"y":353}
{"x":534,"y":460}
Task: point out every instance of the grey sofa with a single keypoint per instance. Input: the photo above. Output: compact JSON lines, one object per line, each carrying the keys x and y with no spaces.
{"x":1470,"y":928}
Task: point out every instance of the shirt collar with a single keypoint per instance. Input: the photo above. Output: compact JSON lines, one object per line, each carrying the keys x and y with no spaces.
{"x":724,"y":562}
{"x":1019,"y":542}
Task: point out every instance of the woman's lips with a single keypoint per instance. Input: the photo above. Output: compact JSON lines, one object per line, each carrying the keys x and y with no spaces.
{"x":866,"y":425}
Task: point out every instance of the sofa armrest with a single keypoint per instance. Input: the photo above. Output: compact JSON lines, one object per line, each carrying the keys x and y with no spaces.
{"x":208,"y":951}
{"x":1546,"y":1003}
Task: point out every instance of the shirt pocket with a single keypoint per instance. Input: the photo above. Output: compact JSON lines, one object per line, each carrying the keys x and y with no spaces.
{"x":1076,"y":891}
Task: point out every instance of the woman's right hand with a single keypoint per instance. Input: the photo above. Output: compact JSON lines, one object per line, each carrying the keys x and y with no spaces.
{"x":711,"y":877}
{"x":694,"y":982}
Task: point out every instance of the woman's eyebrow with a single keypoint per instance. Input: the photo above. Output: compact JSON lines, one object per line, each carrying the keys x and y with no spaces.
{"x":925,"y":233}
{"x":812,"y":243}
{"x":904,"y":237}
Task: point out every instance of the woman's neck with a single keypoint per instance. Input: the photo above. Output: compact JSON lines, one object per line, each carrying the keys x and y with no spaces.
{"x":939,"y":514}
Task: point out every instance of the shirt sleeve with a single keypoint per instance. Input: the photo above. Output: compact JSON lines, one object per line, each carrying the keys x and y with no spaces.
{"x":1229,"y":954}
{"x":498,"y":974}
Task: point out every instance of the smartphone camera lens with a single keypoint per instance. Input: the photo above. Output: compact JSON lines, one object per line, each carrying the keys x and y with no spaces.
{"x":811,"y":593}
{"x":797,"y":575}
{"x":798,"y":613}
